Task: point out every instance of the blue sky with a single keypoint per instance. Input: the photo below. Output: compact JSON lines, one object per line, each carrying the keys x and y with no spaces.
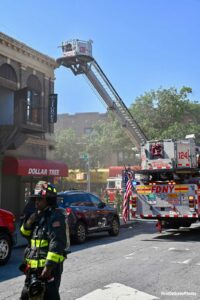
{"x":140,"y":44}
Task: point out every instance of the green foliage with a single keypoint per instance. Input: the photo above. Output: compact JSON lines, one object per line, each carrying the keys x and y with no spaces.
{"x":108,"y":138}
{"x":66,"y":147}
{"x":167,"y":113}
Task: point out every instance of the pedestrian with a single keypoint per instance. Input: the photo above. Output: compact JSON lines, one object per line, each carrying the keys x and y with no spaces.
{"x":45,"y":231}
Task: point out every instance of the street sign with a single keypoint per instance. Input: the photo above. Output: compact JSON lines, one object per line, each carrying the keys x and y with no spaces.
{"x":84,"y":156}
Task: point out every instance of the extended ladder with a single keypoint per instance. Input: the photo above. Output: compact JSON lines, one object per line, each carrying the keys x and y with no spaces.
{"x":77,"y":55}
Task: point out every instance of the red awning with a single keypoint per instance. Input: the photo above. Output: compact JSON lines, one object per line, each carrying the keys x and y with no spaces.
{"x":33,"y":167}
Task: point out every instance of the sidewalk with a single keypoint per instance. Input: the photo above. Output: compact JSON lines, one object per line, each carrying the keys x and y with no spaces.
{"x":22,"y":242}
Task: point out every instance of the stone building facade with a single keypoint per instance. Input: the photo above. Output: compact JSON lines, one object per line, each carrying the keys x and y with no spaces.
{"x":27,"y":116}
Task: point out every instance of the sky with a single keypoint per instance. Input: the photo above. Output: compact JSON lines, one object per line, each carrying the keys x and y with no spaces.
{"x":141,"y":45}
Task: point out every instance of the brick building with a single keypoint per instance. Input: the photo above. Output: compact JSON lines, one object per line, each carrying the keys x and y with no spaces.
{"x":82,"y":123}
{"x":27,"y":116}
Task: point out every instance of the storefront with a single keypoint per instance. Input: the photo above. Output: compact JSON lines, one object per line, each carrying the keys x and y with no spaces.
{"x":27,"y":117}
{"x":19,"y":176}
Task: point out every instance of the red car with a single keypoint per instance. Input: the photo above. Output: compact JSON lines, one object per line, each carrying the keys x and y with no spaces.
{"x":7,"y":239}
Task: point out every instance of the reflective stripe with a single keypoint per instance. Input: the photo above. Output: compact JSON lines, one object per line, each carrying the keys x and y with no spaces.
{"x":25,"y":231}
{"x":39,"y":243}
{"x":51,"y":189}
{"x":34,"y":263}
{"x":55,"y":257}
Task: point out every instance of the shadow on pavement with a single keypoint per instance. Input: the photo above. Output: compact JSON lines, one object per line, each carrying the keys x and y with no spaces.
{"x":11,"y":269}
{"x":178,"y":235}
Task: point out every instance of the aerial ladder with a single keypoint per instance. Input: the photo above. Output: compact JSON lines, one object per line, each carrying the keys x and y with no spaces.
{"x":170,"y":190}
{"x":77,"y":55}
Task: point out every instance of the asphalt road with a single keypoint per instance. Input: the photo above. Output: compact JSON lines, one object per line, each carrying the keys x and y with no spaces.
{"x":139,"y":264}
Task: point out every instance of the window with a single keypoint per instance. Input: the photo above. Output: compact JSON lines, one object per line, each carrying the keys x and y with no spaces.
{"x":77,"y":200}
{"x":111,"y":185}
{"x":7,"y":72}
{"x":88,"y":130}
{"x":96,"y":201}
{"x":60,"y":200}
{"x":33,"y":101}
{"x":156,"y":150}
{"x":33,"y":111}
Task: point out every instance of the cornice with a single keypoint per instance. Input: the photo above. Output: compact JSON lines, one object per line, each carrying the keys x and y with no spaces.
{"x":26,"y":51}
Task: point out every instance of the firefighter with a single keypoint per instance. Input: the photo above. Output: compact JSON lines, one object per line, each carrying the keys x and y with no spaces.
{"x":45,"y":231}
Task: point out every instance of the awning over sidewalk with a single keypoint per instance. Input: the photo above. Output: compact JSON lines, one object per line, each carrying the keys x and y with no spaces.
{"x":33,"y":167}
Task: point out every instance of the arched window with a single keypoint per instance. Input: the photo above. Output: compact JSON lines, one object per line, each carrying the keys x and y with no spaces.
{"x":7,"y":72}
{"x":33,"y":103}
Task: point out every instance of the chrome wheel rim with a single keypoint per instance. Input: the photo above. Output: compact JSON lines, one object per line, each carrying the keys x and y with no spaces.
{"x":81,"y":232}
{"x":4,"y":249}
{"x":115,"y":226}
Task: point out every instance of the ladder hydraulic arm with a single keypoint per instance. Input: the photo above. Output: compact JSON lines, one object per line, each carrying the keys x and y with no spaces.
{"x":77,"y":55}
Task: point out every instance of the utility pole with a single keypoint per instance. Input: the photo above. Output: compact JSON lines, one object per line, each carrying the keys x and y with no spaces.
{"x":86,"y":158}
{"x":88,"y":172}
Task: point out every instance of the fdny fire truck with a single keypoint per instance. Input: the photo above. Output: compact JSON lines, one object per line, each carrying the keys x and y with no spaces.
{"x":168,"y":189}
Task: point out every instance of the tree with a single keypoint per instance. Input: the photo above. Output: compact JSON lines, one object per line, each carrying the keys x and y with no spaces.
{"x":164,"y":113}
{"x":167,"y":113}
{"x":108,"y":138}
{"x":67,"y":149}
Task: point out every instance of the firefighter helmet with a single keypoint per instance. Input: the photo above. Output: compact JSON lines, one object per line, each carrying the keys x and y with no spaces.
{"x":47,"y":190}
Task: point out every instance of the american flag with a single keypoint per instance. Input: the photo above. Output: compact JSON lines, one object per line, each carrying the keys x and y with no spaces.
{"x":127,"y":194}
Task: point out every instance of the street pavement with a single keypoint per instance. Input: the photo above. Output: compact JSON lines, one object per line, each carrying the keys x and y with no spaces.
{"x":139,"y":264}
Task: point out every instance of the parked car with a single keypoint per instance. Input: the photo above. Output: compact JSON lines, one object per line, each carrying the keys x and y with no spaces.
{"x":88,"y":214}
{"x":30,"y":208}
{"x":7,"y":235}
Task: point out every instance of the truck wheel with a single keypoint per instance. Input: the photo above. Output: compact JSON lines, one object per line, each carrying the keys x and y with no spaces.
{"x":5,"y":248}
{"x":80,"y":235}
{"x":114,"y":231}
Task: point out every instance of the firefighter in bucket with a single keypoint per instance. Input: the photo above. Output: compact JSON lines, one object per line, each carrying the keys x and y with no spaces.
{"x":45,"y":231}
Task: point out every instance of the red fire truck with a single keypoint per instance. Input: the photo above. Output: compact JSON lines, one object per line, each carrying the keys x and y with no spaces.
{"x":168,"y":189}
{"x":115,"y":182}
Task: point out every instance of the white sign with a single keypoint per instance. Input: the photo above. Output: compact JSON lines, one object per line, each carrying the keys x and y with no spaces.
{"x":50,"y":172}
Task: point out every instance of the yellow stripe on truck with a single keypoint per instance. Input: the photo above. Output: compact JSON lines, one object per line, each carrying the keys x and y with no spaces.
{"x":161,"y":189}
{"x":144,"y":189}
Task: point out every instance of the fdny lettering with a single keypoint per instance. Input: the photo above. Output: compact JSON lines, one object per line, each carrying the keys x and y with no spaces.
{"x":50,"y":172}
{"x":159,"y":189}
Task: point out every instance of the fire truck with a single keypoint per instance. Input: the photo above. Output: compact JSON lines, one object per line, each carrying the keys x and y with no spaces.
{"x":168,"y":189}
{"x":115,"y":181}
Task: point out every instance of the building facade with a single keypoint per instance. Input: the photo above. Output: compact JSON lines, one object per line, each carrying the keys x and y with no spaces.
{"x":82,"y":123}
{"x":27,"y":116}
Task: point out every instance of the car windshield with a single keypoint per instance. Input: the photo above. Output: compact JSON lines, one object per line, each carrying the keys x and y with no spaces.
{"x":111,"y":185}
{"x":74,"y":200}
